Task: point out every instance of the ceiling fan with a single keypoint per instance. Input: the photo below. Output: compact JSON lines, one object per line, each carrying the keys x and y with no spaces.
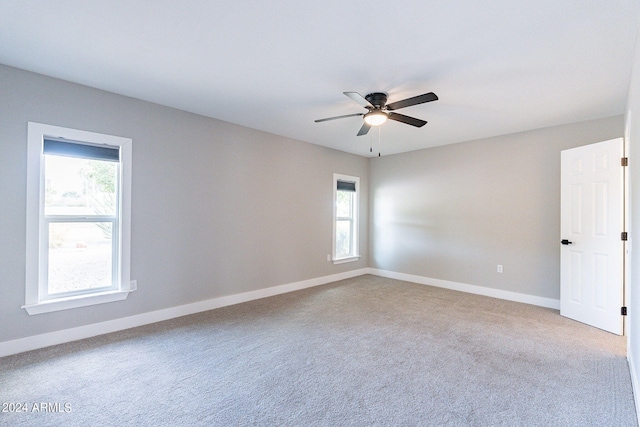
{"x":380,"y":111}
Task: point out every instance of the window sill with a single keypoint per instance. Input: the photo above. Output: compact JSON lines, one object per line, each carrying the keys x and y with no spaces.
{"x":75,"y":302}
{"x":346,"y":259}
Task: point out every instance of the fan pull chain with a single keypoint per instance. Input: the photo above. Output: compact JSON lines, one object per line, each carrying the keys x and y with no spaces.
{"x":379,"y":141}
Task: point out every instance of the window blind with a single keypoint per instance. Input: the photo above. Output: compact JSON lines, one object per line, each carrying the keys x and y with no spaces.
{"x":346,"y":186}
{"x":76,"y":149}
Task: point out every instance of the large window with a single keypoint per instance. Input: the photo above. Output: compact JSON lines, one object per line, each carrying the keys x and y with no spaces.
{"x":345,"y":218}
{"x":78,"y":218}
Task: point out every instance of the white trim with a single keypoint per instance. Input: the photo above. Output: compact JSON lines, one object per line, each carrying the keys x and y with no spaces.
{"x":472,"y":289}
{"x":67,"y":335}
{"x":346,"y":259}
{"x":75,"y":302}
{"x":355,"y":223}
{"x":36,"y":300}
{"x":635,"y":384}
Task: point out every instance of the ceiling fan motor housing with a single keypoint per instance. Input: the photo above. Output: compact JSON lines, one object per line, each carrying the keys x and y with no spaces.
{"x":377,"y":99}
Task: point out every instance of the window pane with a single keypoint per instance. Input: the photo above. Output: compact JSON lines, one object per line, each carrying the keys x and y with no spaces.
{"x":343,"y":203}
{"x":343,"y":238}
{"x":80,"y":256}
{"x":75,"y":186}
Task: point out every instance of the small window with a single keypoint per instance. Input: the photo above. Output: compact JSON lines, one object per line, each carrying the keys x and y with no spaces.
{"x":78,"y":218}
{"x":345,"y":218}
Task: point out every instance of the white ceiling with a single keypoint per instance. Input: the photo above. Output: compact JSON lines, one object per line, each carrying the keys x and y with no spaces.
{"x":498,"y":66}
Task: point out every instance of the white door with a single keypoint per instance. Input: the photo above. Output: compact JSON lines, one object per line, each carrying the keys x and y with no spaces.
{"x":592,"y":254}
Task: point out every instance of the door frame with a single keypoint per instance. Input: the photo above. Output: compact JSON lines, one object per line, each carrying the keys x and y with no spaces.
{"x":626,"y":245}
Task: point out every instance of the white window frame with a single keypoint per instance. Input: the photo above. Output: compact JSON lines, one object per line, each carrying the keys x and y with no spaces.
{"x":354,"y":255}
{"x":36,"y":299}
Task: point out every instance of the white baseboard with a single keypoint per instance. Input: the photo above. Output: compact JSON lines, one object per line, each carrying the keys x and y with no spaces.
{"x":635,"y":385}
{"x":472,"y":289}
{"x":73,"y":334}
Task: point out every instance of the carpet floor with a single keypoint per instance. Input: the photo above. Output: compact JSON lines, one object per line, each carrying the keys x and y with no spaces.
{"x":360,"y":352}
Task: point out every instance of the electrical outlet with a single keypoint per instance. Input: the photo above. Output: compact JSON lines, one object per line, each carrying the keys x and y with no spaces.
{"x":499,"y":268}
{"x":133,"y":285}
{"x":328,"y":257}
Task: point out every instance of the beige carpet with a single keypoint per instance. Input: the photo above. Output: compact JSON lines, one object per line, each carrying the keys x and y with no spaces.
{"x":360,"y":352}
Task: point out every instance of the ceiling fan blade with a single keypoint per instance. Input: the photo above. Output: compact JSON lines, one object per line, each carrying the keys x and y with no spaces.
{"x":420,"y":99}
{"x":338,"y":117}
{"x":364,"y":129}
{"x":406,"y":119}
{"x":355,"y":96}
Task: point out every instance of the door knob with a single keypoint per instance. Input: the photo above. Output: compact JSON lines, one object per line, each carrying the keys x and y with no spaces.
{"x":566,"y":242}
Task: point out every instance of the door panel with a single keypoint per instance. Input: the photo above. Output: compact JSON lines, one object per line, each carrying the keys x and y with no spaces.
{"x":591,"y":220}
{"x":575,"y":277}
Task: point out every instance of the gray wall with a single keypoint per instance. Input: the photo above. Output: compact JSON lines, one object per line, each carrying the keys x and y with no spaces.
{"x":218,"y":209}
{"x":455,"y":212}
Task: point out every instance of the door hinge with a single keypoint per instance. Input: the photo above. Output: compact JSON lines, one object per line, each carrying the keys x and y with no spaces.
{"x":624,"y":236}
{"x":624,"y":161}
{"x":623,"y":311}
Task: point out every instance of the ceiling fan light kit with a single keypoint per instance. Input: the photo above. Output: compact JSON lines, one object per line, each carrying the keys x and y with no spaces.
{"x":375,"y":118}
{"x":379,"y":111}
